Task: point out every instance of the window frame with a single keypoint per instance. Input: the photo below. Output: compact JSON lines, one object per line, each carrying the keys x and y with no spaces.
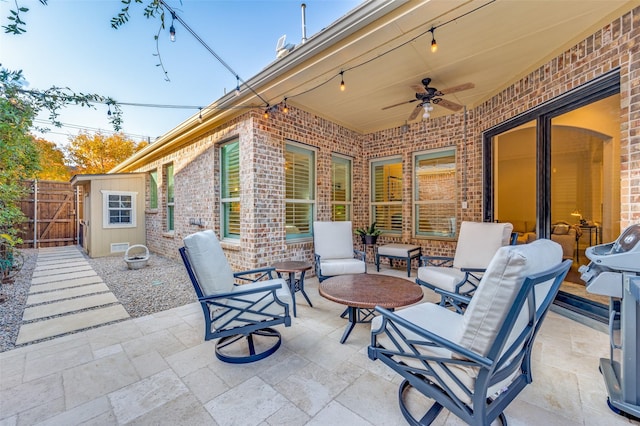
{"x":436,"y":153}
{"x":396,"y":159}
{"x":169,"y":181}
{"x":106,"y":222}
{"x":153,"y":189}
{"x":348,"y":202}
{"x":228,"y":201}
{"x":292,"y":146}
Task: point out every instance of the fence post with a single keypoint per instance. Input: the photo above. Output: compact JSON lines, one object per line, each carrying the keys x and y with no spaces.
{"x":35,"y":213}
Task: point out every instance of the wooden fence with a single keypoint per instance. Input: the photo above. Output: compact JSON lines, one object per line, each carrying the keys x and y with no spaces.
{"x":51,"y":211}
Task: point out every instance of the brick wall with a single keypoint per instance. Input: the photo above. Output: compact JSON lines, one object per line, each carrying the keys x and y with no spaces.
{"x":263,"y":239}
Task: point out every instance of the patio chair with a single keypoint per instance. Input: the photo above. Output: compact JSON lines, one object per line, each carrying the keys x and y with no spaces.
{"x":241,"y":317}
{"x":460,"y":275}
{"x":334,"y":252}
{"x":473,"y":364}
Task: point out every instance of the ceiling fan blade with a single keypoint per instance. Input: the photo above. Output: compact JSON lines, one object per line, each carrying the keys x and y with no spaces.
{"x":418,"y":88}
{"x":401,"y":103}
{"x":416,"y":111}
{"x":458,"y":88}
{"x":448,"y":104}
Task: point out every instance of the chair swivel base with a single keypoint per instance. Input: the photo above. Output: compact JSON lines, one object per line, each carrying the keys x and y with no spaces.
{"x":241,"y":349}
{"x":431,"y":413}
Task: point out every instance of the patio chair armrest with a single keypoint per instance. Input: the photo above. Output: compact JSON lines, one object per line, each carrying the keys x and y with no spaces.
{"x":430,"y":338}
{"x":458,"y":301}
{"x":427,"y":260}
{"x":226,"y":295}
{"x":264,"y":272}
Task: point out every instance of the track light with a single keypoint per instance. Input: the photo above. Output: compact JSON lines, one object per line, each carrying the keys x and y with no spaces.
{"x":342,"y":87}
{"x":434,"y":45}
{"x":172,"y":29}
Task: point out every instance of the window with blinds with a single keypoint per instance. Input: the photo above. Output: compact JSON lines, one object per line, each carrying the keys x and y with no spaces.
{"x":230,"y":189}
{"x":435,"y":193}
{"x":170,"y":205}
{"x":153,"y":189}
{"x":299,"y":190}
{"x":386,"y":195}
{"x":341,"y":188}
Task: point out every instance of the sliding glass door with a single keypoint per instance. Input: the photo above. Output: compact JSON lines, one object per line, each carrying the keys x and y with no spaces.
{"x":555,"y":173}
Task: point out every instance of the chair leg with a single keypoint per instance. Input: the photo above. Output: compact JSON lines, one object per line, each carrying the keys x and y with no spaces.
{"x":233,"y":349}
{"x":428,"y":417}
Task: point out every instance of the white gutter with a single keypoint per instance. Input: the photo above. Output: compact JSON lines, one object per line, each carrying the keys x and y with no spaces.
{"x":358,"y":18}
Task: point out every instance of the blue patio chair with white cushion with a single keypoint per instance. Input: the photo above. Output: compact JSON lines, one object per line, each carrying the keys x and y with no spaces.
{"x":460,"y":275}
{"x":473,"y":364}
{"x":334,"y":252}
{"x":241,"y":317}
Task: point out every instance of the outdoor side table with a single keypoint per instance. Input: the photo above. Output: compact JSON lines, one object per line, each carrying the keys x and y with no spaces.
{"x":295,"y":284}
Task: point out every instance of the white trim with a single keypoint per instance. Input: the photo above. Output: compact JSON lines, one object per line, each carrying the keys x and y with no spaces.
{"x":105,"y":209}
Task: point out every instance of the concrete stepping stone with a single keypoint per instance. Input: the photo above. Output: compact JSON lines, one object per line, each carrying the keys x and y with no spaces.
{"x":69,"y":323}
{"x":45,"y":266}
{"x":61,"y":269}
{"x":59,"y":285}
{"x":67,"y":306}
{"x":66,"y":293}
{"x":62,"y":277}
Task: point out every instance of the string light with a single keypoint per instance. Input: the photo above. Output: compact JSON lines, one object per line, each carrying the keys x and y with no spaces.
{"x":434,"y":45}
{"x":266,"y":112}
{"x":237,"y":86}
{"x":200,"y":115}
{"x":172,"y":29}
{"x":109,"y":109}
{"x":285,"y":108}
{"x":342,"y":87}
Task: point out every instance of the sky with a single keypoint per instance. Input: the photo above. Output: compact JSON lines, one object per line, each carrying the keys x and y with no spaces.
{"x":70,"y":43}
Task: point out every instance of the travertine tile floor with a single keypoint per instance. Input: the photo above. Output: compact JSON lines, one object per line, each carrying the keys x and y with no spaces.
{"x":158,"y":370}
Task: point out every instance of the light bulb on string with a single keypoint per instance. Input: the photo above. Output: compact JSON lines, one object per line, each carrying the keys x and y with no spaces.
{"x":237,"y":86}
{"x":342,"y":86}
{"x":172,"y":29}
{"x":434,"y":44}
{"x":285,"y":108}
{"x":200,"y":115}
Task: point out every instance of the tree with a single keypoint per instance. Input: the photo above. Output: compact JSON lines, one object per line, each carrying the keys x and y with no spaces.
{"x":96,"y":154}
{"x":52,"y":161}
{"x":18,"y":153}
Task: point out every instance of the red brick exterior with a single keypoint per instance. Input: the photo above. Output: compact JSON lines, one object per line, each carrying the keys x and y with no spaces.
{"x":262,"y":141}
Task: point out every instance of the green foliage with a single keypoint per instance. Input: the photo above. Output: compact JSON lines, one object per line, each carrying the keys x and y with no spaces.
{"x":18,"y":154}
{"x":370,"y":230}
{"x":16,"y":24}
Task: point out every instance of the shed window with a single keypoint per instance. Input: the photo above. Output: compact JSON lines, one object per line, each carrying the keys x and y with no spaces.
{"x":119,"y":209}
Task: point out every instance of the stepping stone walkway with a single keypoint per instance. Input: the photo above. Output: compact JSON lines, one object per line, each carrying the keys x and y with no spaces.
{"x":66,"y":295}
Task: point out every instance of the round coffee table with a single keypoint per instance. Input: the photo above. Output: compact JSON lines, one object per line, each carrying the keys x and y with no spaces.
{"x":291,"y":267}
{"x":366,"y":291}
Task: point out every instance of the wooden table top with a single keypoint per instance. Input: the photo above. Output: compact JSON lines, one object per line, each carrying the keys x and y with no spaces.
{"x":292,"y":266}
{"x":370,"y":290}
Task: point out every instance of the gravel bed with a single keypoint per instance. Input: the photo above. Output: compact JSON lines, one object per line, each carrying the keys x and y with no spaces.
{"x":15,"y":295}
{"x":163,"y":284}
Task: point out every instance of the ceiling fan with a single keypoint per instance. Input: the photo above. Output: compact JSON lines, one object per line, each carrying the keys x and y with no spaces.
{"x":427,"y":96}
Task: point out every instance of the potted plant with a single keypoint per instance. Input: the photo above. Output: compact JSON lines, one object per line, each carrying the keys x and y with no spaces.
{"x":369,"y":234}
